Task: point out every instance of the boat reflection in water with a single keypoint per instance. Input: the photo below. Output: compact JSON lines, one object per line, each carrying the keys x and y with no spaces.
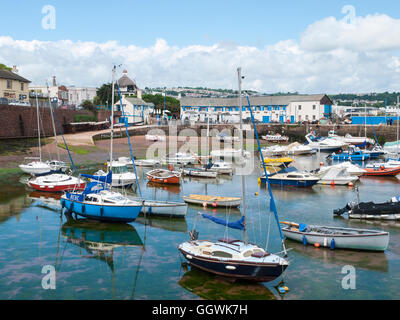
{"x":100,"y":239}
{"x":168,"y":224}
{"x":211,"y":287}
{"x":376,"y":261}
{"x":172,"y":188}
{"x":46,"y":200}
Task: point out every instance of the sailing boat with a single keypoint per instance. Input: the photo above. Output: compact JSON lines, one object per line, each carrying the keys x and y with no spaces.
{"x":38,"y":168}
{"x":235,"y":258}
{"x":56,"y":182}
{"x":97,"y":201}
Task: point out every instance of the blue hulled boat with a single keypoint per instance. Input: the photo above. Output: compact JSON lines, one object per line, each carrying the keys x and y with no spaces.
{"x":98,"y":202}
{"x":290,"y":177}
{"x":355,"y":155}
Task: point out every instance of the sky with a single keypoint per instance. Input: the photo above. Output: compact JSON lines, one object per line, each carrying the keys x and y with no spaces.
{"x":306,"y":46}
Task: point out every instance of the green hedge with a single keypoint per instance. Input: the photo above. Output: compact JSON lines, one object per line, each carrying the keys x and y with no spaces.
{"x":84,"y":118}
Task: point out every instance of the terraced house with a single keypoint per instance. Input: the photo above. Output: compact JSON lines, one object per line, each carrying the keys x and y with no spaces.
{"x":13,"y":87}
{"x":283,"y":109}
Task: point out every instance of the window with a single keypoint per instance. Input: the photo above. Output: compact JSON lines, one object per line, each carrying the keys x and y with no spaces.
{"x":299,"y":107}
{"x":248,"y":253}
{"x":313,"y":117}
{"x":22,"y":86}
{"x":221,"y":254}
{"x":9,"y":84}
{"x":314,"y":107}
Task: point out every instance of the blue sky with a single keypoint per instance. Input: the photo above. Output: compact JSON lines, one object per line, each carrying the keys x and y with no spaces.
{"x":180,"y":23}
{"x":288,"y":45}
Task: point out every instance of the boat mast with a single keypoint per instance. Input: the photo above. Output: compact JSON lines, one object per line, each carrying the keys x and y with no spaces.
{"x":52,"y":120}
{"x":112,"y":118}
{"x":38,"y":126}
{"x":397,"y":109}
{"x":239,"y":70}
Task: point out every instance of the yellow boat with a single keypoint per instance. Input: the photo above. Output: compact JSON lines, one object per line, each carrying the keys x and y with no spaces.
{"x":214,"y":201}
{"x":278,"y":162}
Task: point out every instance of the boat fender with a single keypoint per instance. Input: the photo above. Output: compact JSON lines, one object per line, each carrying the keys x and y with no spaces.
{"x":149,"y":210}
{"x":101,"y":211}
{"x":205,"y":204}
{"x":332,"y":244}
{"x":281,"y":290}
{"x":63,"y":203}
{"x":304,"y":240}
{"x":286,"y":288}
{"x":332,"y":183}
{"x":165,"y":180}
{"x":256,"y":194}
{"x":83,"y":208}
{"x":317,"y":245}
{"x":71,"y":206}
{"x":214,"y":204}
{"x":325,"y":242}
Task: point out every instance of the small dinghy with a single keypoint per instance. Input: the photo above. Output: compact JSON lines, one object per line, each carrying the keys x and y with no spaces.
{"x":201,"y":173}
{"x":275,"y":138}
{"x":164,"y":176}
{"x":382,"y":171}
{"x":336,"y":237}
{"x":139,"y":162}
{"x":221,"y":167}
{"x":163,"y":208}
{"x":214,"y":201}
{"x":274,"y":151}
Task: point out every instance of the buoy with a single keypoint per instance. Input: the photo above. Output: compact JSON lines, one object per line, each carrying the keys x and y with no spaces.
{"x":256,"y":193}
{"x":350,"y":184}
{"x":165,"y":181}
{"x":286,"y":288}
{"x":332,"y":183}
{"x":205,"y":204}
{"x":332,"y":244}
{"x":259,"y":180}
{"x":214,"y":204}
{"x":321,"y":164}
{"x":316,"y":245}
{"x":304,"y":240}
{"x":281,"y":290}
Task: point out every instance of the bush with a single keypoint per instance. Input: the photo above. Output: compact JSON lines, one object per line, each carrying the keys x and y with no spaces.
{"x":84,"y":118}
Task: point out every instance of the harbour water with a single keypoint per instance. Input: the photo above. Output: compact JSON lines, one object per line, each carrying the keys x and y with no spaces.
{"x":140,"y":260}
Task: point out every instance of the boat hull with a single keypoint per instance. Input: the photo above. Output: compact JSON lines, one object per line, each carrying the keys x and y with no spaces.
{"x":57,"y":188}
{"x":369,"y":242}
{"x":382,"y":172}
{"x":163,"y":208}
{"x":213,"y":203}
{"x":235,"y":269}
{"x":201,"y":174}
{"x":112,"y":213}
{"x":290,"y":183}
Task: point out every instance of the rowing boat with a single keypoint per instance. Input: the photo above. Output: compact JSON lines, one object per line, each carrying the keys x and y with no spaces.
{"x":214,"y":201}
{"x":164,"y":176}
{"x":337,"y":237}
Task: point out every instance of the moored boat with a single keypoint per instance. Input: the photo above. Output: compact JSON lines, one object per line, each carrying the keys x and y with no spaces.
{"x":163,"y":208}
{"x":215,"y":201}
{"x":336,"y":176}
{"x":382,"y":171}
{"x":290,"y":177}
{"x":337,"y":237}
{"x":57,"y":182}
{"x":389,"y":210}
{"x":164,"y":176}
{"x":197,"y":172}
{"x":99,"y":203}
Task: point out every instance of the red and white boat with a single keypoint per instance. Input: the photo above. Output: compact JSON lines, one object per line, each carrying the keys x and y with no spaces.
{"x":382,"y":171}
{"x":57,"y":182}
{"x":164,"y":176}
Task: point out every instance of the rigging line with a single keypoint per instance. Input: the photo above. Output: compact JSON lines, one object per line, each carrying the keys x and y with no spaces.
{"x":129,"y":141}
{"x":272,"y":200}
{"x":65,"y":143}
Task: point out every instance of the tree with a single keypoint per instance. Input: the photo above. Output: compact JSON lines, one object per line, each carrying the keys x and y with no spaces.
{"x":4,"y":67}
{"x":171,"y":103}
{"x":89,"y":106}
{"x":104,"y":93}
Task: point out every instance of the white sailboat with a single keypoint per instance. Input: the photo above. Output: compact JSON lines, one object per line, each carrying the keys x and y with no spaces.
{"x":229,"y":257}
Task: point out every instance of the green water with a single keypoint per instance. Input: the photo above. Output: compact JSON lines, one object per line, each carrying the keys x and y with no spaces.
{"x":141,"y":261}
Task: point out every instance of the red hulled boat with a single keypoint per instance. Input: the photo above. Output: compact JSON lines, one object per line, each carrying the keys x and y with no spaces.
{"x":382,"y":171}
{"x":56,"y":183}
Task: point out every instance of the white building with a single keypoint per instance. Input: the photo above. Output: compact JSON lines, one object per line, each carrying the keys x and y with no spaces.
{"x":76,"y":95}
{"x":135,"y":110}
{"x":266,"y":109}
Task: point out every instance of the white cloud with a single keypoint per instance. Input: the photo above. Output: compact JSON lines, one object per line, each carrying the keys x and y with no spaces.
{"x":331,"y":56}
